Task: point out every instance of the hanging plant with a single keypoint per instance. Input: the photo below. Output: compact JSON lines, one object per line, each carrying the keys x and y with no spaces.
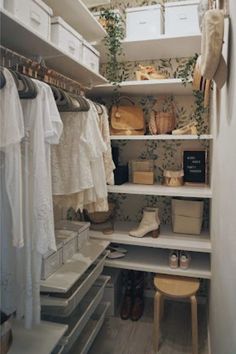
{"x":186,"y":73}
{"x":115,"y":33}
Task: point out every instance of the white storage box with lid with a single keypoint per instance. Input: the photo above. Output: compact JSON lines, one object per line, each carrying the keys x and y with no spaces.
{"x":66,"y":38}
{"x":69,"y":239}
{"x":91,"y":56}
{"x":34,"y":13}
{"x":82,"y":229}
{"x":52,"y":261}
{"x":187,"y":216}
{"x":181,"y":18}
{"x":1,"y":3}
{"x":144,"y":22}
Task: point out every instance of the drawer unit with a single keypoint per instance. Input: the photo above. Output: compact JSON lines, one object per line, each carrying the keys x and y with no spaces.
{"x":91,"y":56}
{"x":34,"y":13}
{"x":181,"y":18}
{"x":66,"y":38}
{"x":144,"y":22}
{"x":51,"y":262}
{"x":80,"y":316}
{"x":69,"y":240}
{"x":64,"y":306}
{"x":82,"y":229}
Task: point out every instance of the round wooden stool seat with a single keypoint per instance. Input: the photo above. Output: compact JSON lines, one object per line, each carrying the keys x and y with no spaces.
{"x":174,"y":286}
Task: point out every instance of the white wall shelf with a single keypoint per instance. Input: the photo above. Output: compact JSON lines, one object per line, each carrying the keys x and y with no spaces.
{"x":76,"y":14}
{"x":164,"y":47}
{"x":18,"y":37}
{"x":156,"y":189}
{"x":167,"y":238}
{"x":162,"y":137}
{"x":66,"y":276}
{"x":44,"y":336}
{"x":156,"y":261}
{"x":145,"y":88}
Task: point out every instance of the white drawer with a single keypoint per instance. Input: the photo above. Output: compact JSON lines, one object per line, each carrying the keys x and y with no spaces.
{"x":181,"y":18}
{"x":91,"y":57}
{"x":144,"y":22}
{"x":33,"y":13}
{"x":64,"y":306}
{"x":79,"y":318}
{"x":66,"y":38}
{"x":51,"y":263}
{"x":82,"y":229}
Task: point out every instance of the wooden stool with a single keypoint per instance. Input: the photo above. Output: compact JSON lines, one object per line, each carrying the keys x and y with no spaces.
{"x":175,"y":287}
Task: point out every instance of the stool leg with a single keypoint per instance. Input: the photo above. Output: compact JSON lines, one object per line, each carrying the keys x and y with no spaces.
{"x":157,"y":316}
{"x":162,"y":307}
{"x":194,"y":324}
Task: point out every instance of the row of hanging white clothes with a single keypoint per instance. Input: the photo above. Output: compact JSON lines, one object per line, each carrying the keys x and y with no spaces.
{"x":43,"y":152}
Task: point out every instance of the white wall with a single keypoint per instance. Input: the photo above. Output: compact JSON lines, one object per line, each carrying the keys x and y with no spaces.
{"x":223,"y":285}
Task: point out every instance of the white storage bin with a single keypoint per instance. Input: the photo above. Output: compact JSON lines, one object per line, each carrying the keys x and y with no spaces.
{"x":66,"y":38}
{"x":69,"y":239}
{"x":34,"y":13}
{"x":1,"y":3}
{"x":144,"y":22}
{"x":91,"y":56}
{"x":51,"y":262}
{"x":82,"y":229}
{"x":181,"y":18}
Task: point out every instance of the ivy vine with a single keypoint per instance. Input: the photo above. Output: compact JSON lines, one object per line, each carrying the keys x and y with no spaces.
{"x":115,"y":34}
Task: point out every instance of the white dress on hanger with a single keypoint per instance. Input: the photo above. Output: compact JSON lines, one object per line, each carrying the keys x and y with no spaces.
{"x":43,"y":127}
{"x":77,"y":162}
{"x":11,"y":220}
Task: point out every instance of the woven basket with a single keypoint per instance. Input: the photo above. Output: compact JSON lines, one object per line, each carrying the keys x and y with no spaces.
{"x":162,"y":122}
{"x":173,"y":178}
{"x":101,"y":217}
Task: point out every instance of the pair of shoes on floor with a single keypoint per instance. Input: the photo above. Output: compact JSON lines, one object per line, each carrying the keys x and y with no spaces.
{"x":179,"y":259}
{"x":116,"y":252}
{"x":132,"y":307}
{"x":149,"y":224}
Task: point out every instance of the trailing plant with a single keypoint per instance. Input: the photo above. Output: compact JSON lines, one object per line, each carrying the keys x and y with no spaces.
{"x":185,"y":73}
{"x":115,"y":33}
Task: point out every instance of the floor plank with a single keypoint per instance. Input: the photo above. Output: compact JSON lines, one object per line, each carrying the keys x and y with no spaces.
{"x":127,"y":337}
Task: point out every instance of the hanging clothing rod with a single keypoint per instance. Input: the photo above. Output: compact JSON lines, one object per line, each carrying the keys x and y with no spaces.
{"x":38,"y":70}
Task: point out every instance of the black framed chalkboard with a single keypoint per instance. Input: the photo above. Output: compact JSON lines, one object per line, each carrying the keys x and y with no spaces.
{"x":194,"y":165}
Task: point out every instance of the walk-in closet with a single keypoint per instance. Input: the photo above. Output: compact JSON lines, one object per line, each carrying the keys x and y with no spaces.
{"x":117,"y":175}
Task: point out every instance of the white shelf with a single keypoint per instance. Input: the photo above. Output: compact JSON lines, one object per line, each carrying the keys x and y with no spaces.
{"x":18,"y":37}
{"x":162,"y":137}
{"x":164,"y":47}
{"x":66,"y":276}
{"x":145,"y":88}
{"x":44,"y":336}
{"x":167,"y":238}
{"x":156,"y":261}
{"x":76,"y":14}
{"x":156,"y":189}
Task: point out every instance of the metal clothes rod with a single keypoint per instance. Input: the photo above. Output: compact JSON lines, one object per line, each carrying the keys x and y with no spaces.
{"x":38,"y":70}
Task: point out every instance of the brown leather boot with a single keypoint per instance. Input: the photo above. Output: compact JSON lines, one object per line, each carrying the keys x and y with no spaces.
{"x":128,"y":299}
{"x":138,"y":296}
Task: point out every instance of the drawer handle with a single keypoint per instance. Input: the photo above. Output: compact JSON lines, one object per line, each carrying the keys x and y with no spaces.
{"x":183,"y":17}
{"x":143,"y":22}
{"x":71,"y":47}
{"x":35,"y":17}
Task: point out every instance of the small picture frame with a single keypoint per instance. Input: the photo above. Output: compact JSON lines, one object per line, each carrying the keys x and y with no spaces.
{"x":195,"y":166}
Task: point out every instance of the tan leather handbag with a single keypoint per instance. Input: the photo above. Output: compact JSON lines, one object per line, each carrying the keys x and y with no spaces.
{"x":126,"y":120}
{"x":162,"y":122}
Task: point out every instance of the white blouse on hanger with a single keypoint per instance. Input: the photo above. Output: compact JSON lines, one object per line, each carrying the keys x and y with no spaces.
{"x":11,"y":220}
{"x":43,"y":127}
{"x":77,"y":162}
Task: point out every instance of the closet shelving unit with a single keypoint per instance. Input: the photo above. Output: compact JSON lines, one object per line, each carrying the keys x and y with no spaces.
{"x":80,"y":273}
{"x":19,"y":37}
{"x":162,"y":47}
{"x":148,"y":254}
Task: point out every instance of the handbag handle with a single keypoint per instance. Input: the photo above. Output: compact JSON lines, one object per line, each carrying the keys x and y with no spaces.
{"x":125,"y":98}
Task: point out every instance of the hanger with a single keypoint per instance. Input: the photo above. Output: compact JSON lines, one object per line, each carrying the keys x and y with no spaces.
{"x":56,"y":93}
{"x":30,"y":90}
{"x":99,"y":108}
{"x":72,"y":103}
{"x":2,"y":79}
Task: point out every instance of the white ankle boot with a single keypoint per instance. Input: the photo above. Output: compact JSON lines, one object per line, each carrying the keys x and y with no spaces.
{"x":149,"y":223}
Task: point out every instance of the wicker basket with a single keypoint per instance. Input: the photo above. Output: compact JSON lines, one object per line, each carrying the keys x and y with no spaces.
{"x":162,"y":122}
{"x":173,"y":178}
{"x":101,"y":217}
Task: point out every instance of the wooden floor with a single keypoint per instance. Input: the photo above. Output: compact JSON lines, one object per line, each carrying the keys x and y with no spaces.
{"x":127,"y":337}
